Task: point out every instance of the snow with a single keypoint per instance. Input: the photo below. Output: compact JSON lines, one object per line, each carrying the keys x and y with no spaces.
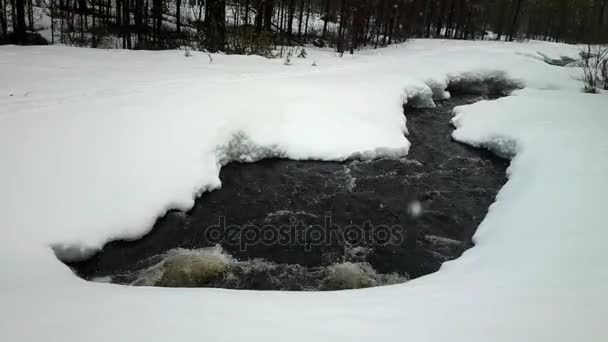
{"x":96,"y":144}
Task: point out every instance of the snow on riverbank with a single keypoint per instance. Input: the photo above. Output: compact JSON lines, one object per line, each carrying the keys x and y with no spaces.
{"x":94,"y":145}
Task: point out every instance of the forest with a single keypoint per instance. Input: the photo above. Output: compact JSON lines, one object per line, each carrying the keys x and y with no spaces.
{"x":259,"y":26}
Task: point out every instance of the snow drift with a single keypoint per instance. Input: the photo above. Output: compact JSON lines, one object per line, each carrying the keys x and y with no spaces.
{"x":95,"y":145}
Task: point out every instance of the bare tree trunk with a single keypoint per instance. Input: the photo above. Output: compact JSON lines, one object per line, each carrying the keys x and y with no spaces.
{"x":215,"y":24}
{"x":291,"y":13}
{"x":307,"y":19}
{"x":429,"y":18}
{"x":30,"y":15}
{"x":127,"y":24}
{"x":501,"y":19}
{"x":93,"y":15}
{"x":392,"y":24}
{"x":450,"y":23}
{"x":3,"y":17}
{"x":82,"y":8}
{"x":515,"y":18}
{"x":52,"y":13}
{"x":326,"y":19}
{"x":351,"y":31}
{"x":366,"y":29}
{"x":467,"y":28}
{"x":343,"y":19}
{"x":178,"y":16}
{"x":268,"y":12}
{"x":440,"y":18}
{"x":247,"y":8}
{"x":301,"y":18}
{"x":157,"y":20}
{"x":281,"y":19}
{"x":357,"y":25}
{"x":138,"y":16}
{"x":19,"y":21}
{"x":62,"y":24}
{"x":259,"y":15}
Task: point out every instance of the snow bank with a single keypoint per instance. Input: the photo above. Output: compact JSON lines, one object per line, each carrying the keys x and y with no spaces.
{"x":96,"y":144}
{"x":123,"y":136}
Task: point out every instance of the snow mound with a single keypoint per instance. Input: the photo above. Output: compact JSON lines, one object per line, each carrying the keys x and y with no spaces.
{"x":502,"y":145}
{"x":421,"y":95}
{"x":494,"y":82}
{"x":96,"y":144}
{"x":479,"y":82}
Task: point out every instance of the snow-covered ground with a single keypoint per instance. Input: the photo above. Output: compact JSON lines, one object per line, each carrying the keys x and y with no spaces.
{"x":96,"y":144}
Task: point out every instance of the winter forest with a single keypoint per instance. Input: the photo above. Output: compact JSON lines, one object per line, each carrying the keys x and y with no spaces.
{"x":258,"y":26}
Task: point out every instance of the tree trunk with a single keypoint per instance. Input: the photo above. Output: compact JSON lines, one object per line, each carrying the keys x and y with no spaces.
{"x":268,"y":12}
{"x":501,"y":19}
{"x":291,"y":14}
{"x":326,"y":19}
{"x":19,"y":21}
{"x":139,"y":26}
{"x":126,"y":24}
{"x":513,"y":29}
{"x":178,"y":16}
{"x":259,"y":15}
{"x":281,"y":20}
{"x":343,"y":18}
{"x":429,"y":18}
{"x":3,"y":18}
{"x":301,"y":18}
{"x":450,"y":24}
{"x":215,"y":24}
{"x":157,"y":21}
{"x":247,"y":7}
{"x":440,"y":18}
{"x":52,"y":13}
{"x":392,"y":24}
{"x":307,"y":19}
{"x":30,"y":15}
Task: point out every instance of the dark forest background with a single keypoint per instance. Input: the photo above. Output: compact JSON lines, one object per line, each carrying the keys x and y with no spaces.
{"x":258,"y":26}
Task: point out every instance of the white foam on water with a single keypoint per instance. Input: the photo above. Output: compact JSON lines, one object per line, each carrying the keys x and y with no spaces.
{"x":214,"y":267}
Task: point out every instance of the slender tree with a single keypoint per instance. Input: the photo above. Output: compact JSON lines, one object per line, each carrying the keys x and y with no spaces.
{"x":4,"y":18}
{"x":19,"y":22}
{"x":215,"y":24}
{"x":516,"y":13}
{"x":325,"y":19}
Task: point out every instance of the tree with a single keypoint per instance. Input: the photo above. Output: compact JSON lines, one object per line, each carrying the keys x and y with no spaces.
{"x":142,"y":24}
{"x":325,"y":19}
{"x":215,"y":25}
{"x":516,"y":13}
{"x":4,"y":18}
{"x":19,"y":36}
{"x":301,"y":18}
{"x":178,"y":16}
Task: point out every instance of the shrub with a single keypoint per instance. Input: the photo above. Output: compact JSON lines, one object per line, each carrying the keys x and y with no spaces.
{"x":595,"y":62}
{"x":30,"y":39}
{"x":246,"y":41}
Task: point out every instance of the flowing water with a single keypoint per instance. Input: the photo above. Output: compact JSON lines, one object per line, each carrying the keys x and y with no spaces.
{"x":307,"y":225}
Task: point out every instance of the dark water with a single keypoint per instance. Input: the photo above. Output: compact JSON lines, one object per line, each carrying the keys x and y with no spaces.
{"x":305,"y":225}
